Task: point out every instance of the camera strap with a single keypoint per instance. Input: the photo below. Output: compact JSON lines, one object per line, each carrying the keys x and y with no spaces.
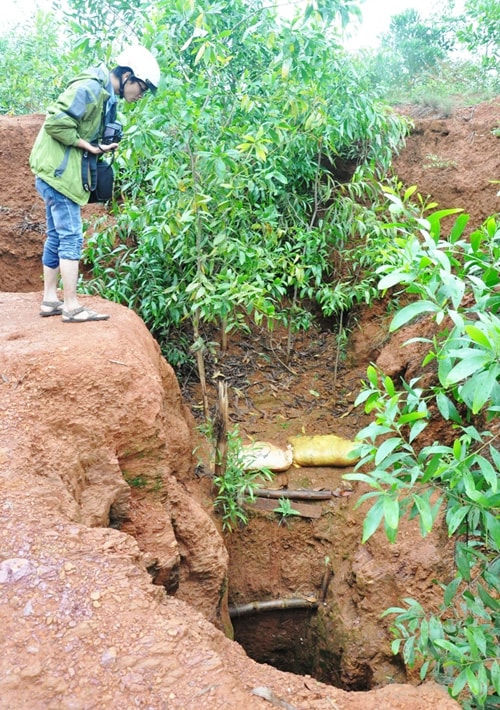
{"x":89,"y":171}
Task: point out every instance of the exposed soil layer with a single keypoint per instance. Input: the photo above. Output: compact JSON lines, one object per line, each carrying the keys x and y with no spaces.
{"x":94,"y":616}
{"x":454,"y":160}
{"x":103,"y":497}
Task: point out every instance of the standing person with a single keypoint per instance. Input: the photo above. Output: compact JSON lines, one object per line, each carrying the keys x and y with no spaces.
{"x":74,"y":128}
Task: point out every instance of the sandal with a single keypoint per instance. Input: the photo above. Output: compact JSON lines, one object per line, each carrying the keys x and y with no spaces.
{"x":86,"y":313}
{"x":55,"y":308}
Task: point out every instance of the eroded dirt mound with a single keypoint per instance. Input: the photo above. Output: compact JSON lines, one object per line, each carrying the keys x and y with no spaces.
{"x":84,"y":409}
{"x":454,"y":159}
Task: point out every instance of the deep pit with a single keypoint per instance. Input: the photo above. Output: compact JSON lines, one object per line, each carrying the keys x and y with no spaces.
{"x":284,"y":639}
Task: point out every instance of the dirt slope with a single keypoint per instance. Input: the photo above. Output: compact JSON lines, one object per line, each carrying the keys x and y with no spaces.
{"x":84,"y":409}
{"x":454,"y":160}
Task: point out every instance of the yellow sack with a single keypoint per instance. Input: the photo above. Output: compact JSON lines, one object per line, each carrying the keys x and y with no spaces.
{"x":323,"y":450}
{"x":262,"y":454}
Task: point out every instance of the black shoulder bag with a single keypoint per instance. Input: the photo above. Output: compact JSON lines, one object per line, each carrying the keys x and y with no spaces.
{"x":97,"y":177}
{"x":104,"y":182}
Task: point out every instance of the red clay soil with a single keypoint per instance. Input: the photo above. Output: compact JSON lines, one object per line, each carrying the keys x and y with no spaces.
{"x":115,"y":576}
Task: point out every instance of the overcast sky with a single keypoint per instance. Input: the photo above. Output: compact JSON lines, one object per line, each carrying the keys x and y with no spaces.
{"x":376,"y":15}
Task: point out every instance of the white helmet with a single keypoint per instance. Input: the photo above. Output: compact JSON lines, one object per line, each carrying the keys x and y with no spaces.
{"x":144,"y":66}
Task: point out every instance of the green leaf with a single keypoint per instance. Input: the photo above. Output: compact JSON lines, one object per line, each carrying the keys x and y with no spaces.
{"x":410,"y":312}
{"x":425,"y":513}
{"x":493,"y":527}
{"x":451,"y":590}
{"x":455,"y":516}
{"x":391,"y":511}
{"x":409,"y":651}
{"x":386,"y":448}
{"x":424,"y":670}
{"x":463,"y":562}
{"x":466,"y":367}
{"x":394,"y":278}
{"x":489,"y":601}
{"x":453,"y":287}
{"x":478,"y":336}
{"x":470,"y":486}
{"x":458,"y":228}
{"x":472,"y":681}
{"x":479,"y":389}
{"x":495,"y":455}
{"x":447,"y":645}
{"x":411,"y":417}
{"x":479,"y":640}
{"x":389,"y":386}
{"x":459,"y":684}
{"x":395,"y":646}
{"x":457,"y":449}
{"x":489,"y":473}
{"x":373,"y":519}
{"x":444,"y":366}
{"x":371,"y":373}
{"x":447,"y":408}
{"x":440,"y":214}
{"x":417,"y":429}
{"x":409,"y":192}
{"x":432,"y":468}
{"x":476,"y":238}
{"x":495,"y":676}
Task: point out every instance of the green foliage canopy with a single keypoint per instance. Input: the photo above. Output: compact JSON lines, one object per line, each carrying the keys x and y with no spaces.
{"x":224,"y":173}
{"x":418,"y":45}
{"x":32,"y":65}
{"x":481,"y":30}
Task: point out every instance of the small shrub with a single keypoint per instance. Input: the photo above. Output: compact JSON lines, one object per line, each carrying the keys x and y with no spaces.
{"x":455,"y":281}
{"x":236,"y":485}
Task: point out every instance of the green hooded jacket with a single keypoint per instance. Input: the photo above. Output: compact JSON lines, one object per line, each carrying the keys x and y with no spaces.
{"x":77,"y":113}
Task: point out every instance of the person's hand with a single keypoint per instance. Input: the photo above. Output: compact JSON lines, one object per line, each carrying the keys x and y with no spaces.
{"x":105,"y":148}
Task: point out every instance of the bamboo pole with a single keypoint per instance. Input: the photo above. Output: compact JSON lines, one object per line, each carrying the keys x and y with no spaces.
{"x":220,"y":429}
{"x":272,"y":605}
{"x":200,"y":363}
{"x":300,"y":494}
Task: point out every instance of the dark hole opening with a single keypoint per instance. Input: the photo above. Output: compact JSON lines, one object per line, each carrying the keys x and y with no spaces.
{"x":291,"y":641}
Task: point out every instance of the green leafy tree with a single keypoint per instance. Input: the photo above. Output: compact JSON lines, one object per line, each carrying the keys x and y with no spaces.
{"x":480,"y":31}
{"x":224,"y":176}
{"x":411,"y":52}
{"x":423,"y":61}
{"x":33,"y":64}
{"x":418,"y":45}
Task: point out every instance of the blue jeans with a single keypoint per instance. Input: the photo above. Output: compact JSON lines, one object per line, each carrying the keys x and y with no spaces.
{"x":64,"y":226}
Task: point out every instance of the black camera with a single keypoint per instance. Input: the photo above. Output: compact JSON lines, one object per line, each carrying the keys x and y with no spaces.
{"x":113,"y":133}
